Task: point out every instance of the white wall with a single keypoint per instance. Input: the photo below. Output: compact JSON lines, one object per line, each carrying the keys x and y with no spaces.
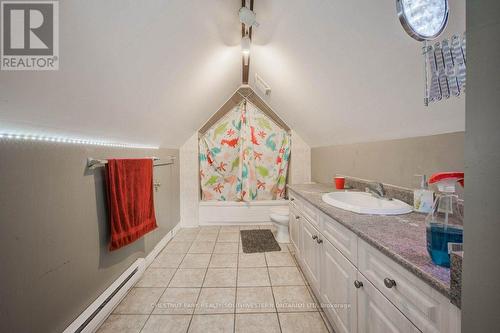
{"x":300,"y":162}
{"x":189,"y":182}
{"x":346,"y":72}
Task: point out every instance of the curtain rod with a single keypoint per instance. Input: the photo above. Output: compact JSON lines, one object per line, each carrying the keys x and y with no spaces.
{"x":93,"y":163}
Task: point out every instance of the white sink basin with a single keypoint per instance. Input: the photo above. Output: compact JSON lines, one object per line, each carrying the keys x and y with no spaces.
{"x":365,"y":203}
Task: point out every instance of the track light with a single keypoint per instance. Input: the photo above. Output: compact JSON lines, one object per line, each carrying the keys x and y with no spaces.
{"x":245,"y":48}
{"x":248,"y":17}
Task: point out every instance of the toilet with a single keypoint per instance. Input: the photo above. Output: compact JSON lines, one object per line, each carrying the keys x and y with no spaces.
{"x":279,"y":217}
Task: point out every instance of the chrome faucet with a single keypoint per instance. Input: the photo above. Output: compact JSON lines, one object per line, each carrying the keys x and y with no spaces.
{"x":377,"y":190}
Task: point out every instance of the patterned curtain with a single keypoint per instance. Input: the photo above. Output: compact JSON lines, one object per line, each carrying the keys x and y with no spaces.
{"x":244,"y":157}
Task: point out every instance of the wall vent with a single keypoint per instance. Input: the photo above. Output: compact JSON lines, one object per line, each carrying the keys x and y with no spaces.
{"x":262,"y":85}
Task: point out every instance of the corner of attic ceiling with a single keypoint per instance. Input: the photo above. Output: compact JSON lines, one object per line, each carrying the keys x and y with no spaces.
{"x":249,"y":93}
{"x":300,"y":156}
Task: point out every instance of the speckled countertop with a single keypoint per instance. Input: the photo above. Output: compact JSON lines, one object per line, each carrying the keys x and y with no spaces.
{"x":401,"y":237}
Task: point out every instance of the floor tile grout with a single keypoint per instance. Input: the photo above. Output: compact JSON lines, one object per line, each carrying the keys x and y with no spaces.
{"x":237,"y":268}
{"x":309,"y":289}
{"x":274,"y":298}
{"x":198,"y":297}
{"x":236,"y":291}
{"x":156,"y":303}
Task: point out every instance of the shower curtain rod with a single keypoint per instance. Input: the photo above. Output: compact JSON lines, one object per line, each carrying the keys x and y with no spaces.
{"x":246,"y":99}
{"x":93,"y":163}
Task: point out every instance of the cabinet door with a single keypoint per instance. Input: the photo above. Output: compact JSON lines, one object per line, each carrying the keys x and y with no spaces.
{"x":310,"y":253}
{"x":294,"y":229}
{"x":338,"y":293}
{"x":376,"y":314}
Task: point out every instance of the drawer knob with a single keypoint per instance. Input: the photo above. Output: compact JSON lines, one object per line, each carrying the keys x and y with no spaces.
{"x":297,"y":217}
{"x":319,"y":241}
{"x":389,"y":283}
{"x":358,"y":284}
{"x":314,"y":237}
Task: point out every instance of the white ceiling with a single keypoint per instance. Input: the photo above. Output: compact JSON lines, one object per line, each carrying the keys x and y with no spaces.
{"x":146,"y":72}
{"x":152,"y":72}
{"x":345,"y":71}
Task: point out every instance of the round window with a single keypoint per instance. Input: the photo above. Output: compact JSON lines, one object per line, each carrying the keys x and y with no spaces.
{"x":423,"y":19}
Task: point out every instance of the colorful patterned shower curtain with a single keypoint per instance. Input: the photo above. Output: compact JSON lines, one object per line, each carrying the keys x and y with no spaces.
{"x":244,"y":157}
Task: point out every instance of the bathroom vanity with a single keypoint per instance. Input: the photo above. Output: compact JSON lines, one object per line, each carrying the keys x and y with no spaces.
{"x":370,"y":273}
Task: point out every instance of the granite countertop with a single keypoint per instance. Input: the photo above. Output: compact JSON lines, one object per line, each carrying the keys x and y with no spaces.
{"x":401,"y":237}
{"x":456,"y":278}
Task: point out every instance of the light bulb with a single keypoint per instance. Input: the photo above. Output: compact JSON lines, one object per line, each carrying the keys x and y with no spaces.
{"x":245,"y":45}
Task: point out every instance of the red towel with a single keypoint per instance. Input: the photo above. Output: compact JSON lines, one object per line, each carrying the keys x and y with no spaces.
{"x":130,"y":200}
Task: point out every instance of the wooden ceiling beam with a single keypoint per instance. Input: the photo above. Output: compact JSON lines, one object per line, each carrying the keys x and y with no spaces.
{"x":246,"y":68}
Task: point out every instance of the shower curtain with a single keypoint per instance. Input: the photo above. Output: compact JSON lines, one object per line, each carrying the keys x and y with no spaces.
{"x":244,"y":157}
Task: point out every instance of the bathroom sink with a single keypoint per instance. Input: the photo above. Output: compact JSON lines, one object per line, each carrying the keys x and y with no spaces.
{"x":366,"y":203}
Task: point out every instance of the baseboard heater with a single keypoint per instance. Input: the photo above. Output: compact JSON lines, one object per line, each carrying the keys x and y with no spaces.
{"x":94,"y":315}
{"x":97,"y":312}
{"x":106,"y":301}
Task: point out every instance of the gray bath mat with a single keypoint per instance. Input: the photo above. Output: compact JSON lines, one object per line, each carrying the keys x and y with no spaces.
{"x":254,"y":241}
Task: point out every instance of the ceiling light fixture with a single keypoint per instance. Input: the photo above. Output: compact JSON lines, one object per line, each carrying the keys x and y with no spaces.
{"x":423,"y":19}
{"x":35,"y":137}
{"x":248,"y":17}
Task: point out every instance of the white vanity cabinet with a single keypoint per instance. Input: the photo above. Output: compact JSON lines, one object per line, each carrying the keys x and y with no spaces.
{"x":294,"y":229}
{"x":311,"y":253}
{"x":376,"y":314}
{"x":353,"y":280}
{"x":337,"y":288}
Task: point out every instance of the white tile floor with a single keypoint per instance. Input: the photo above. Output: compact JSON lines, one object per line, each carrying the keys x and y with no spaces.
{"x":203,"y":282}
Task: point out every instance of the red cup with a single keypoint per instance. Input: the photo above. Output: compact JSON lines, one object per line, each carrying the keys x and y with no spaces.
{"x":339,"y":183}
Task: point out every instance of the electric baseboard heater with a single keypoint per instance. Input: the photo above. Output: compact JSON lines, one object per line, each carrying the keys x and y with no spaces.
{"x":97,"y":312}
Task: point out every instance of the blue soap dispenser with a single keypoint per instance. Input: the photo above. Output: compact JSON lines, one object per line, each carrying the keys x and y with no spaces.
{"x":445,"y":221}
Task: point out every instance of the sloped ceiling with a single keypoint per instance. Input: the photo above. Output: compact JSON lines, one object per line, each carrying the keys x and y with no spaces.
{"x":153,"y":72}
{"x":131,"y":71}
{"x":345,"y":71}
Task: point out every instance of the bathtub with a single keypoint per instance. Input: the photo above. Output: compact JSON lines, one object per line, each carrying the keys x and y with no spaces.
{"x":231,"y":212}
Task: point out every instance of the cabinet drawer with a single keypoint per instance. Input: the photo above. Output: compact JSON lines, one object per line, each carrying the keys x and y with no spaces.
{"x":294,"y":201}
{"x":423,"y":305}
{"x":342,"y":238}
{"x":310,"y":213}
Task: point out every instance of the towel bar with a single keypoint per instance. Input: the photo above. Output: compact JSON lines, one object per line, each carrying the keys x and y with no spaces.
{"x":93,"y":163}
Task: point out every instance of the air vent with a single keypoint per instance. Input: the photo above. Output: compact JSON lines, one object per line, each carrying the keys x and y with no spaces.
{"x":262,"y":85}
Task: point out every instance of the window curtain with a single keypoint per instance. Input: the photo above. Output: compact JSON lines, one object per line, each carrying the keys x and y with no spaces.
{"x":244,"y":157}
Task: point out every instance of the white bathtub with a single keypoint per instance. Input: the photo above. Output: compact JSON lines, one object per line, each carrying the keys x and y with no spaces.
{"x":231,"y":212}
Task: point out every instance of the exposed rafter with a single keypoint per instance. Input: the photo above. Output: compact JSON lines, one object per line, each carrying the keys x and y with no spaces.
{"x":246,"y":68}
